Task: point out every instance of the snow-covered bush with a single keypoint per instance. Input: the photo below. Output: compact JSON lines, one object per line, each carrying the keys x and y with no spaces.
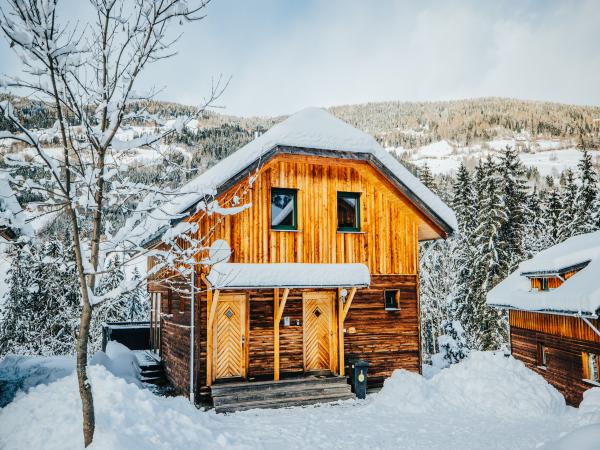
{"x":453,"y":345}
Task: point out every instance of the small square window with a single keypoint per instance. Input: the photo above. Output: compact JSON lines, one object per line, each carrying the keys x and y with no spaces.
{"x":542,"y":356}
{"x":392,"y":300}
{"x":283,"y":209}
{"x":348,"y":211}
{"x":591,"y":367}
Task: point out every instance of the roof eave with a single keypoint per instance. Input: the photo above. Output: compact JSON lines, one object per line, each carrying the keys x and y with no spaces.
{"x":327,"y":153}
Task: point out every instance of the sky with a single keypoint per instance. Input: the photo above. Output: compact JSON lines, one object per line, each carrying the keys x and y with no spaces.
{"x":284,"y":55}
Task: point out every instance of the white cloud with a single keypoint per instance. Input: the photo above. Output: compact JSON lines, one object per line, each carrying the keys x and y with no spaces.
{"x":283,"y":56}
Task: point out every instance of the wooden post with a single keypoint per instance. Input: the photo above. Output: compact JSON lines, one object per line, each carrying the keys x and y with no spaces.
{"x":342,"y":313}
{"x":279,"y":307}
{"x":276,"y":334}
{"x":212,"y":298}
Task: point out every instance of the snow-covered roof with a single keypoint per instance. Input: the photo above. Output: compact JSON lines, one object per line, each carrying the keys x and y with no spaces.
{"x":288,"y":275}
{"x":310,"y":128}
{"x":579,"y":294}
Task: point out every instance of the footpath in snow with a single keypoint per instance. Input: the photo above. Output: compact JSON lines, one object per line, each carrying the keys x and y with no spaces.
{"x":486,"y":402}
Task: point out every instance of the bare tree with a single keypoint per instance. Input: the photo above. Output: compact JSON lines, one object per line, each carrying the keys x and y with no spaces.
{"x":87,"y":71}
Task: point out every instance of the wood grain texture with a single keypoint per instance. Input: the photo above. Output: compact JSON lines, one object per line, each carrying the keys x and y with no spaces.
{"x":564,"y":363}
{"x":564,"y":326}
{"x":230,"y":324}
{"x":318,"y":331}
{"x":390,"y":224}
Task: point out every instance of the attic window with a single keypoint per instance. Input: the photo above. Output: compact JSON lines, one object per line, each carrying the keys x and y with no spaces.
{"x":348,"y":211}
{"x":591,"y":367}
{"x":283,"y":209}
{"x":392,"y":300}
{"x":544,"y":284}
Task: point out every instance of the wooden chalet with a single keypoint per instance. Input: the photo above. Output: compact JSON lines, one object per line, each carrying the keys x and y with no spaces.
{"x":553,"y":302}
{"x":323,"y":267}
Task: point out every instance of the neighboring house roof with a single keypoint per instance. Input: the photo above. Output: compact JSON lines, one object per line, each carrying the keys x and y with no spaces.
{"x":305,"y":132}
{"x":579,"y":294}
{"x":288,"y":275}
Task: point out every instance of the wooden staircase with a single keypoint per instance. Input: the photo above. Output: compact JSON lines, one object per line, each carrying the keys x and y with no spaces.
{"x":230,"y":397}
{"x":151,"y":367}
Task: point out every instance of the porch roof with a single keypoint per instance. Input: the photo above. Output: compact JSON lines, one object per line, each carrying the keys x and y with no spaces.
{"x":288,"y":275}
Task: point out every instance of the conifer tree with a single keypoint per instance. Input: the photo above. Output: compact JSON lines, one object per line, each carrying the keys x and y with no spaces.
{"x":586,"y":194}
{"x":40,"y":308}
{"x":427,"y":178}
{"x":569,"y":211}
{"x":514,"y":196}
{"x":552,"y":216}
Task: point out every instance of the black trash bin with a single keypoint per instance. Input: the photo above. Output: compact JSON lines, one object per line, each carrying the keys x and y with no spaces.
{"x":359,"y":378}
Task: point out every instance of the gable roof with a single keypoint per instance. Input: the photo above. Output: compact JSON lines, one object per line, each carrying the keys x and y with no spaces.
{"x":579,"y":294}
{"x":311,"y":129}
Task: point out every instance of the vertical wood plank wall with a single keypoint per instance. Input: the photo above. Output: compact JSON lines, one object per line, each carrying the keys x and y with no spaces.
{"x":387,"y":243}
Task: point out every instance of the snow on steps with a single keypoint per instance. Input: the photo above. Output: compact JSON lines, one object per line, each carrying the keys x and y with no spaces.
{"x":230,"y":397}
{"x":151,"y":367}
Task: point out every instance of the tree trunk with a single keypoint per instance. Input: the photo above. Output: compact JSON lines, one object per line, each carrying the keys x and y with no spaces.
{"x":85,"y":387}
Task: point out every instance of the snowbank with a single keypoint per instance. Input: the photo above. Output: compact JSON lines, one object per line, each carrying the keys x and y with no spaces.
{"x":485,"y":383}
{"x":21,"y":373}
{"x":485,"y":402}
{"x":120,"y":361}
{"x":584,"y":438}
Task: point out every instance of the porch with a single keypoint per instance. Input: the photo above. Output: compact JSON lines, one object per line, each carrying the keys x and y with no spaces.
{"x":277,"y":322}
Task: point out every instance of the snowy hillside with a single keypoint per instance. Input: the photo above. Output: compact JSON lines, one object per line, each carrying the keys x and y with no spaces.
{"x":547,"y":156}
{"x":485,"y":402}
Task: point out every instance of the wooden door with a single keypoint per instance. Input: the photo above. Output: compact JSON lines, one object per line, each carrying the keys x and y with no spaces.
{"x":230,"y":337}
{"x":319,"y":333}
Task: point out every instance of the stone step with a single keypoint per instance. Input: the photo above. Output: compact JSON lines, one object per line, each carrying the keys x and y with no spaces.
{"x":290,"y":393}
{"x":283,"y":402}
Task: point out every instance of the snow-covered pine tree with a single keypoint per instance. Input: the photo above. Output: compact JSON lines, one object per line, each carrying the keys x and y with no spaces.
{"x":452,"y":344}
{"x":587,"y":193}
{"x":137,"y":305}
{"x":569,"y":212}
{"x":39,"y":312}
{"x":437,"y":289}
{"x":552,"y":216}
{"x":464,"y":201}
{"x":485,"y":326}
{"x":535,"y":225}
{"x":427,"y":177}
{"x":514,"y":197}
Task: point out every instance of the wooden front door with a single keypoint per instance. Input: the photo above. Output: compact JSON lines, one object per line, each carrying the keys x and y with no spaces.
{"x":319,"y":334}
{"x":230,"y":337}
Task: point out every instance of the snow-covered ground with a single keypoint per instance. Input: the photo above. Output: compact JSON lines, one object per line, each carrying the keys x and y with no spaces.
{"x":550,"y":157}
{"x":485,"y":402}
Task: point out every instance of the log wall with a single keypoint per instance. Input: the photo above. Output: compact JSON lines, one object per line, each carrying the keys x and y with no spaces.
{"x":565,"y":338}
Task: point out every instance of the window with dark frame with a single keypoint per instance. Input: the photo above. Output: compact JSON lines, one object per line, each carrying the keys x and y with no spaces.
{"x":348,"y":211}
{"x":284,"y":209}
{"x":392,"y":300}
{"x":591,"y":367}
{"x":544,"y":286}
{"x":542,"y":355}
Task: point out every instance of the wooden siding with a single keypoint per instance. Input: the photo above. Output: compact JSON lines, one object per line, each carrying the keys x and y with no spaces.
{"x":387,"y":242}
{"x":563,"y":326}
{"x":564,"y":364}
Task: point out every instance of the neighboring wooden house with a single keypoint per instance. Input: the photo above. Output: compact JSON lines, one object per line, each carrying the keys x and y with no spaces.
{"x":324,"y":265}
{"x":553,"y":301}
